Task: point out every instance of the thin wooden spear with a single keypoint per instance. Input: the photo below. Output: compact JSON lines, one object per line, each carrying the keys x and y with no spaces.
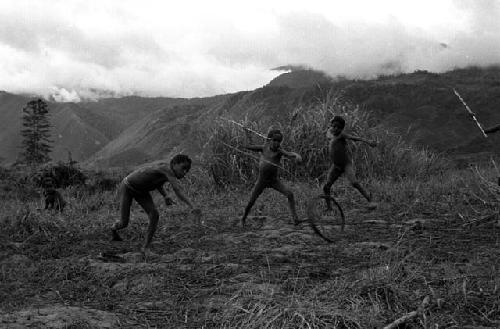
{"x":242,"y":126}
{"x":254,"y":157}
{"x":471,"y":113}
{"x":479,"y":126}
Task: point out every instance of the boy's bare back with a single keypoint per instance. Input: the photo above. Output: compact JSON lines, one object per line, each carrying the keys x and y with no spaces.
{"x":150,"y":177}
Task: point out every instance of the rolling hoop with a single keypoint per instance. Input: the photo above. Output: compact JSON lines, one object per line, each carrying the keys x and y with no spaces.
{"x":325,"y":223}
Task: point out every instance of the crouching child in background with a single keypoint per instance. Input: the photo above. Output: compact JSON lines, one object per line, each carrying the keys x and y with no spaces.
{"x":52,"y":198}
{"x":137,"y":185}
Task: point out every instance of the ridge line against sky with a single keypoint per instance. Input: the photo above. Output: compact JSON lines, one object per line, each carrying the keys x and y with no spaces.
{"x":73,"y":50}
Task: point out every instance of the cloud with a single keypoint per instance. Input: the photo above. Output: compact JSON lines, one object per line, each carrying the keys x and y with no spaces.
{"x":73,"y":50}
{"x":63,"y":95}
{"x":357,"y":50}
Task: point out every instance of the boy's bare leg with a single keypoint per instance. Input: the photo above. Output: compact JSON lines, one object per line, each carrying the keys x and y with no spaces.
{"x":352,"y":179}
{"x":332,"y":177}
{"x":125,"y":203}
{"x":280,"y":187}
{"x":256,"y":191}
{"x":146,"y":202}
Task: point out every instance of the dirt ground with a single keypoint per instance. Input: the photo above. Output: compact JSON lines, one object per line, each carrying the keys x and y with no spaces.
{"x":270,"y":274}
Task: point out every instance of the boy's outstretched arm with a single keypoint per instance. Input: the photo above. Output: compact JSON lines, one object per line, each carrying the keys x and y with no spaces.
{"x":178,"y":191}
{"x":257,"y":148}
{"x":293,"y":155}
{"x":168,"y":200}
{"x":493,"y":129}
{"x":372,"y":143}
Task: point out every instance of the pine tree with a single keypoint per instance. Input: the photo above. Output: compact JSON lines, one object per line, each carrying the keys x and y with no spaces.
{"x":36,"y":142}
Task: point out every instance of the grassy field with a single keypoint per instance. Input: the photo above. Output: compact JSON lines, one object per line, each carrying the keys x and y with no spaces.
{"x":434,"y":238}
{"x":427,"y":257}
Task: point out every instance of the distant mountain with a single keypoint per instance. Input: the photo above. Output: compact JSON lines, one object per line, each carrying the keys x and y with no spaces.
{"x":299,"y":78}
{"x":155,"y":135}
{"x":81,"y":129}
{"x":421,"y":106}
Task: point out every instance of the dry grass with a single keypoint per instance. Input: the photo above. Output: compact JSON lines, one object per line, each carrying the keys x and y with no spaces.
{"x":304,"y":132}
{"x":435,"y":235}
{"x":219,"y":276}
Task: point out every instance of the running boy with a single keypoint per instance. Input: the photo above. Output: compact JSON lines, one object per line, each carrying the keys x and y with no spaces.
{"x":268,"y":171}
{"x":137,"y":185}
{"x":341,"y":159}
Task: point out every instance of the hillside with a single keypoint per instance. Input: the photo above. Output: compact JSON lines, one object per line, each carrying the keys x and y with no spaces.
{"x":420,"y":106}
{"x":300,"y":78}
{"x":183,"y":127}
{"x":80,"y":128}
{"x":153,"y":136}
{"x":74,"y":129}
{"x":424,"y":109}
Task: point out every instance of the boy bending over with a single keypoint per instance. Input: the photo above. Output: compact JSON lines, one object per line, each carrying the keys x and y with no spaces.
{"x":137,"y":185}
{"x":268,"y":172}
{"x":341,"y":159}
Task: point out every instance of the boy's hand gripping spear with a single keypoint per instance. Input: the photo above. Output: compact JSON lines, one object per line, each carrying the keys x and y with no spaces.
{"x":473,"y":115}
{"x":258,"y":134}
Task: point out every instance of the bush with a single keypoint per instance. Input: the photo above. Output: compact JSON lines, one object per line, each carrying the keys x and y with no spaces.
{"x":101,"y":181}
{"x":63,"y":174}
{"x":15,"y":184}
{"x":229,"y":163}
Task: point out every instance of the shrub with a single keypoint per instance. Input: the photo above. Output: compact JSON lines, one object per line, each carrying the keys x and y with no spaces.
{"x":63,"y":174}
{"x":228,"y":162}
{"x":15,"y":184}
{"x":103,"y":181}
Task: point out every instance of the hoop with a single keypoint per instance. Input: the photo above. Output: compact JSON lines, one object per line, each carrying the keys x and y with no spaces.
{"x":323,"y":222}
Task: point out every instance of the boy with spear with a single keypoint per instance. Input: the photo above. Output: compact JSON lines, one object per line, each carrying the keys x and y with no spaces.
{"x":269,"y":163}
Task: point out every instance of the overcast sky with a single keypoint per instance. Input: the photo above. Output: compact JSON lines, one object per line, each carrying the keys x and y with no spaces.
{"x":83,"y":49}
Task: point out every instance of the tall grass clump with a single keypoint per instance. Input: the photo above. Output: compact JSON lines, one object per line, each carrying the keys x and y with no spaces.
{"x":64,"y":174}
{"x":16,"y":183}
{"x":228,"y":162}
{"x":226,"y":159}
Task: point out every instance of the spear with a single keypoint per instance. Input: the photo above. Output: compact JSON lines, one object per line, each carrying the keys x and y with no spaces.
{"x":242,"y":126}
{"x":254,"y":157}
{"x":479,"y":126}
{"x":257,"y":133}
{"x":471,"y":113}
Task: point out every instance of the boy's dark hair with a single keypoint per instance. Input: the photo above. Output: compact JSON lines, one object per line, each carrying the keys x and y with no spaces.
{"x":339,"y":120}
{"x":274,"y":132}
{"x":181,"y":158}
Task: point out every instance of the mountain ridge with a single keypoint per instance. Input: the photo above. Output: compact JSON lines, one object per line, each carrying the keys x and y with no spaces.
{"x":421,"y":106}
